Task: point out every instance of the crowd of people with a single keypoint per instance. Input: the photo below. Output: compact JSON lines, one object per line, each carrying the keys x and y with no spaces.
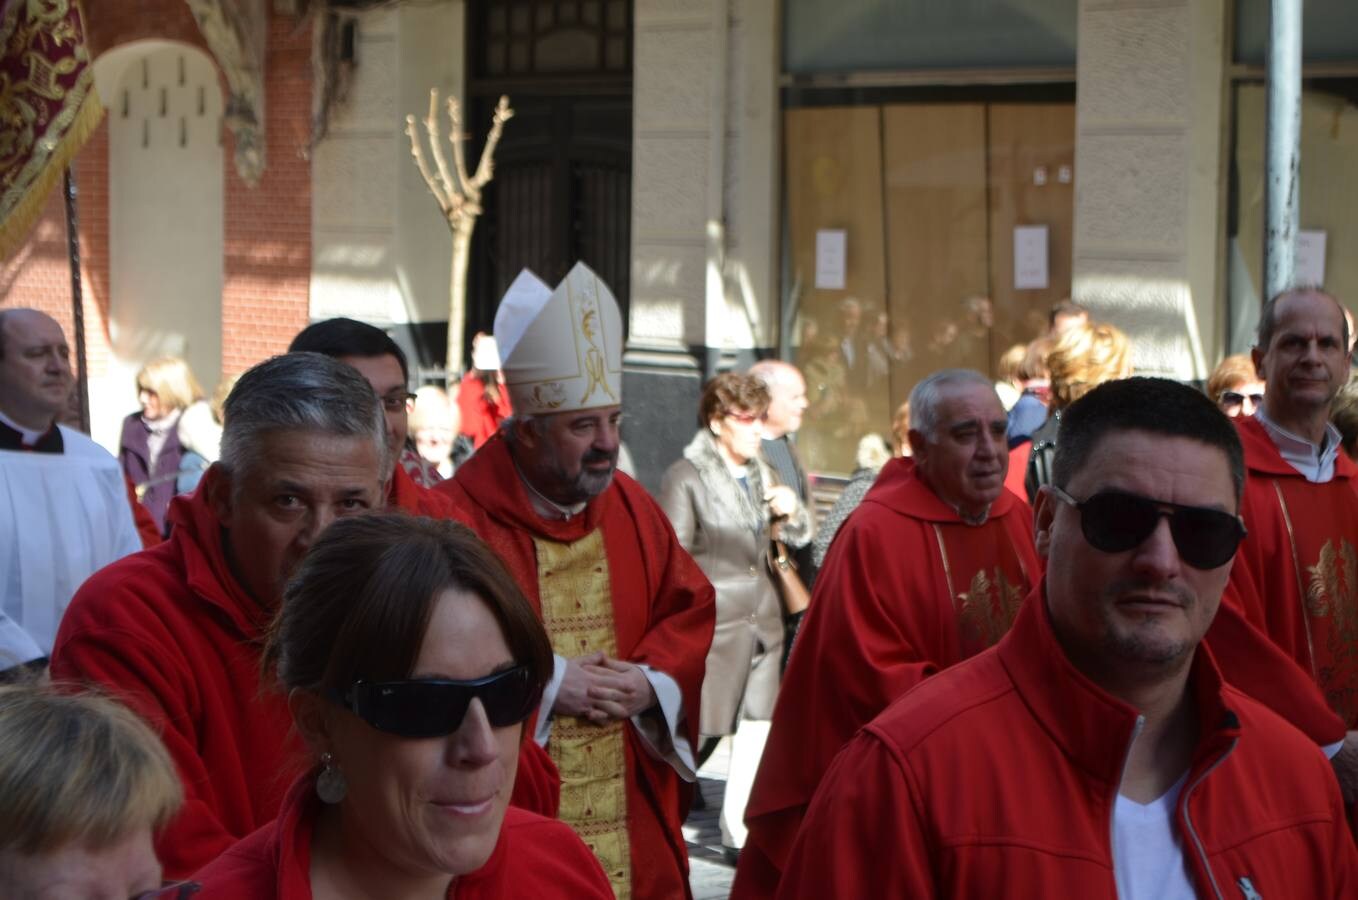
{"x":1078,"y":633}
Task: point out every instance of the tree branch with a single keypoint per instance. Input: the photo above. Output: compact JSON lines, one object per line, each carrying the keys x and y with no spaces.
{"x":459,"y":154}
{"x":485,"y":169}
{"x":431,"y":125}
{"x":417,"y":151}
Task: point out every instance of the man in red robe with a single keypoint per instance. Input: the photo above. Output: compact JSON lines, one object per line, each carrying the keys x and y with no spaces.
{"x":929,"y":570}
{"x":175,"y":631}
{"x":1297,"y":571}
{"x":1097,"y":751}
{"x":629,"y":613}
{"x":381,"y":360}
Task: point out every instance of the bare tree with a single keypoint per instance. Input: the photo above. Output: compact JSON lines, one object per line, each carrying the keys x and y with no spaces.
{"x":459,"y":198}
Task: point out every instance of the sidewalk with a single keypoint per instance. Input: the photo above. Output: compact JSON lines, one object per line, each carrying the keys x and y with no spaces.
{"x":710,"y":875}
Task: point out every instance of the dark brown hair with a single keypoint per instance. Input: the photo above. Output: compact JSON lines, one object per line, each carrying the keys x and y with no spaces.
{"x":360,"y":603}
{"x":732,"y":392}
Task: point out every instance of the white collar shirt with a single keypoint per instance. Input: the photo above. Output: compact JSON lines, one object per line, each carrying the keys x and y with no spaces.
{"x":1314,"y":463}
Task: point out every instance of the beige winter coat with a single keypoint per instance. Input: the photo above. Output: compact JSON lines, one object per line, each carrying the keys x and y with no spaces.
{"x":727,"y":533}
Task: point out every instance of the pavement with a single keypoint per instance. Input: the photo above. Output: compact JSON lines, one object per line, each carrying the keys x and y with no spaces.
{"x":710,"y":875}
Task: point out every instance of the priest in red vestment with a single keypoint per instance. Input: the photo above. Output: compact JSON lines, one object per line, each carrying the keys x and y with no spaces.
{"x":175,"y":631}
{"x":629,"y":613}
{"x":1297,"y":571}
{"x":929,"y":570}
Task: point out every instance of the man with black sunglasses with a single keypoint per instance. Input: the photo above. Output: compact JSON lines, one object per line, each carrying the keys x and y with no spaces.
{"x":1297,"y":572}
{"x":1095,"y":751}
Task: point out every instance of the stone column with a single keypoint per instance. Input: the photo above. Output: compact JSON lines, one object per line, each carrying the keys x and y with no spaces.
{"x":1150,"y":177}
{"x":704,"y":201}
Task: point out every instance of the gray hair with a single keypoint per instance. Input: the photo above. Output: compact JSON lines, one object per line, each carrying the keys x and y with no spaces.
{"x":298,"y":392}
{"x":925,"y":397}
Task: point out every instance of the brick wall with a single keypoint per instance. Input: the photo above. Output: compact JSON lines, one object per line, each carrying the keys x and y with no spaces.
{"x":266,"y":292}
{"x":267,"y":233}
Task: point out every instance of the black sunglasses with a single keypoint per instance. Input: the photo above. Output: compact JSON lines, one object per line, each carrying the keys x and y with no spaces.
{"x":1235,"y":397}
{"x":1113,"y":521}
{"x":423,"y":708}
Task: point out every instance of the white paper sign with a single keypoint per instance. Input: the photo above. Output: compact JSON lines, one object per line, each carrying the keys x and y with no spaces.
{"x":831,"y":255}
{"x":1030,"y":257}
{"x":1310,"y":259}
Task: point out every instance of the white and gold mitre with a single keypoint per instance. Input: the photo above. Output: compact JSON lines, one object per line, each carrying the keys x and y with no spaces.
{"x":560,"y":350}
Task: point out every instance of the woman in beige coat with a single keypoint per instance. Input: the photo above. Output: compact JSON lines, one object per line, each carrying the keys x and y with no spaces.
{"x":722,"y":503}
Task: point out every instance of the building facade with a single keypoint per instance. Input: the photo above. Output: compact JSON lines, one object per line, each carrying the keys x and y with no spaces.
{"x":737,"y":169}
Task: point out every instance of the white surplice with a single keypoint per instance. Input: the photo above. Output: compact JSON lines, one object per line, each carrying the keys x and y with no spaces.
{"x":62,"y":517}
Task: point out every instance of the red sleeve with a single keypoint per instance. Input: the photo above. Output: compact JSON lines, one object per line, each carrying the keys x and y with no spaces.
{"x":124,"y":664}
{"x":146,"y":524}
{"x":537,"y":784}
{"x":864,"y":834}
{"x":865,"y":641}
{"x":1257,"y":666}
{"x":683,"y":613}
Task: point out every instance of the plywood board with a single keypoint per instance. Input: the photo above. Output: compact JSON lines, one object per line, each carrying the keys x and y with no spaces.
{"x":935,"y":186}
{"x":834,"y":181}
{"x":1031,"y":159}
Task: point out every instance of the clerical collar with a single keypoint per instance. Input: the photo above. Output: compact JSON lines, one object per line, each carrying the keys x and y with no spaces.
{"x":14,"y":436}
{"x":544,"y":505}
{"x":1314,"y":463}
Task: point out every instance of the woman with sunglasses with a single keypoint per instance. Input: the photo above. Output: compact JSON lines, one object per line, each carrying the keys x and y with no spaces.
{"x":1234,"y":386}
{"x":411,"y":662}
{"x":85,"y":786}
{"x":723,"y":504}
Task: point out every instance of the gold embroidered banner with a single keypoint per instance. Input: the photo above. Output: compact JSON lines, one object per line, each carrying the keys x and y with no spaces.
{"x":48,"y":107}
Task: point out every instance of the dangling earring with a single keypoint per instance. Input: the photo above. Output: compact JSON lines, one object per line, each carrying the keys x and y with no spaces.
{"x":330,"y":785}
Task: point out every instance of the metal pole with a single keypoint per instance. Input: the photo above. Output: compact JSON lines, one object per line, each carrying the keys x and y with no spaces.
{"x":1282,"y":198}
{"x":77,"y":301}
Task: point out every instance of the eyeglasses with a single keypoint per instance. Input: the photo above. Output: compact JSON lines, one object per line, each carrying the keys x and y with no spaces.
{"x":428,"y":707}
{"x":395,"y":402}
{"x":1234,"y":398}
{"x":1113,"y":521}
{"x":743,"y":418}
{"x":171,"y":890}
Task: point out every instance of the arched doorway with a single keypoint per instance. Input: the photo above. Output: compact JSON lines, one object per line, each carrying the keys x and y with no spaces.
{"x":165,"y":183}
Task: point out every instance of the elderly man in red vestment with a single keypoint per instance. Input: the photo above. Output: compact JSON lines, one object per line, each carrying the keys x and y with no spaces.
{"x":1297,"y":572}
{"x":1097,"y":751}
{"x":175,"y":631}
{"x":929,"y":570}
{"x":629,"y":613}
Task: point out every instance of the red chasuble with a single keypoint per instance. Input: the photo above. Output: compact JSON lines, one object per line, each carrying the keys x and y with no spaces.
{"x":1297,"y":572}
{"x":907,"y":589}
{"x":663,"y":617}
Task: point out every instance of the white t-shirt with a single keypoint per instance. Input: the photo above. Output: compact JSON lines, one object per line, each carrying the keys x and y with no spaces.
{"x":1148,"y":854}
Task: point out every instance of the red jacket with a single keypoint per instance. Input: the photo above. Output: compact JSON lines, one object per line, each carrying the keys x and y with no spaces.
{"x":481,"y":418}
{"x":171,"y":632}
{"x":535,"y":858}
{"x":405,"y":494}
{"x":998,"y":777}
